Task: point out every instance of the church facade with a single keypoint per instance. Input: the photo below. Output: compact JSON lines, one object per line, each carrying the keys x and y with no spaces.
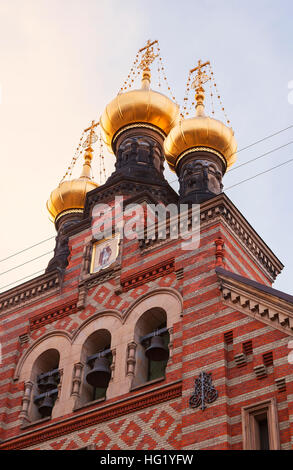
{"x":140,"y":343}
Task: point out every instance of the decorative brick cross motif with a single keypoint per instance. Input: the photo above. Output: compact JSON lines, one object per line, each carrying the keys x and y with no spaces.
{"x":204,"y":391}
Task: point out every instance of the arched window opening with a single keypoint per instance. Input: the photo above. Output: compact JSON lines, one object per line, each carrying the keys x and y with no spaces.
{"x":152,"y":339}
{"x":97,"y":357}
{"x":46,"y":378}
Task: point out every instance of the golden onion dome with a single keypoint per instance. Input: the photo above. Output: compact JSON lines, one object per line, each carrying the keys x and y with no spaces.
{"x":200,"y":133}
{"x":143,"y":106}
{"x":69,"y":196}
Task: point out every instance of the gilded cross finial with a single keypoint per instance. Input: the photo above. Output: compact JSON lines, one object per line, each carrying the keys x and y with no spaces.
{"x":92,"y":137}
{"x":200,"y":78}
{"x":148,"y":55}
{"x":89,"y":141}
{"x":146,"y":60}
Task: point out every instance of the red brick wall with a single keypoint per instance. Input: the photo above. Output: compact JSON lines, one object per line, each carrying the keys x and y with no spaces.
{"x":198,"y":345}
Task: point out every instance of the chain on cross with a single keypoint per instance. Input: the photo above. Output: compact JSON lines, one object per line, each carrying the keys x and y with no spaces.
{"x":92,"y":137}
{"x":148,"y":55}
{"x":201,"y":76}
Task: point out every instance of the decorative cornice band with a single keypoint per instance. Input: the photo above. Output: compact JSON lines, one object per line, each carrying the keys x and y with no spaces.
{"x":221,"y":208}
{"x":129,"y":186}
{"x":135,"y":126}
{"x":30,"y":291}
{"x":69,"y":211}
{"x":52,"y":315}
{"x":148,"y":274}
{"x":248,"y":301}
{"x":201,"y":149}
{"x":133,"y":404}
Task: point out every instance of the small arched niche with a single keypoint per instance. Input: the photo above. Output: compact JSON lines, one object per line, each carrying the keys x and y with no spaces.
{"x":98,"y":342}
{"x":147,"y":370}
{"x":45,"y":377}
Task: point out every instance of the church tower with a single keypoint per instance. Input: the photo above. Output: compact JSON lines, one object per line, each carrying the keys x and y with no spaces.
{"x":137,"y":342}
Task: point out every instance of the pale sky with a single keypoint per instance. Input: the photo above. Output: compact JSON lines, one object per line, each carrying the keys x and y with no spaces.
{"x":62,"y":61}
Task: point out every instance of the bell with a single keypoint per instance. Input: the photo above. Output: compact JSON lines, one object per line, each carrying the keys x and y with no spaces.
{"x":42,"y":384}
{"x":100,"y":374}
{"x":157,"y":351}
{"x":46,"y":406}
{"x":47,"y":383}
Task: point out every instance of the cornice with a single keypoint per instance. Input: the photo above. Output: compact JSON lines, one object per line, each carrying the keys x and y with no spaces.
{"x":30,"y":291}
{"x":222,"y":207}
{"x":148,"y":274}
{"x":53,"y":314}
{"x":219,"y":208}
{"x":94,"y":417}
{"x":264,"y":307}
{"x":130,"y":187}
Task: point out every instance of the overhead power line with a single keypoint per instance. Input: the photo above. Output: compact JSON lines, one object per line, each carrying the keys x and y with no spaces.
{"x":238,"y":166}
{"x":261,"y":156}
{"x":26,"y":262}
{"x":25,"y":249}
{"x":265,"y":138}
{"x":21,"y":279}
{"x":230,"y":187}
{"x":256,"y":158}
{"x":259,"y":174}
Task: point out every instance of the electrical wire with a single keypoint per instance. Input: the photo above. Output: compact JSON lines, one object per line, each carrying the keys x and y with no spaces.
{"x":25,"y":249}
{"x":259,"y":174}
{"x":260,"y":156}
{"x":265,"y":138}
{"x":256,"y":158}
{"x":26,"y":262}
{"x":173,"y":181}
{"x":21,"y":279}
{"x":230,"y":187}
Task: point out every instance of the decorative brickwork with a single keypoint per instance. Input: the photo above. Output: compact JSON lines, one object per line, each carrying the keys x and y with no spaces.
{"x":29,"y":291}
{"x":227,"y":322}
{"x":52,"y":315}
{"x":101,"y":416}
{"x":147,"y":275}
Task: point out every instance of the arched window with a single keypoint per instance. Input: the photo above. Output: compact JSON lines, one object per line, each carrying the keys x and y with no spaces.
{"x":97,"y":357}
{"x":45,"y":378}
{"x":152,"y":338}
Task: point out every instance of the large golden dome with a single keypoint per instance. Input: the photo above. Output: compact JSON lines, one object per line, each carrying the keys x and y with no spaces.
{"x":69,"y":196}
{"x":200,"y":133}
{"x":143,"y":106}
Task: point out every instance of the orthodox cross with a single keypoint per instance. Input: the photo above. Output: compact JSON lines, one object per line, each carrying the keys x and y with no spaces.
{"x":204,"y":391}
{"x":92,"y":137}
{"x":148,"y":55}
{"x":201,"y":76}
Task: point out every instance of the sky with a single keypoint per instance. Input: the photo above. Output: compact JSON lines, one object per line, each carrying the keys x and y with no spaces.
{"x":63,"y":61}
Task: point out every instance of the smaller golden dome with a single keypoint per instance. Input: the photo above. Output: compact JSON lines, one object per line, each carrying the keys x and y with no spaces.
{"x":69,"y":196}
{"x":200,"y":133}
{"x":138,"y":106}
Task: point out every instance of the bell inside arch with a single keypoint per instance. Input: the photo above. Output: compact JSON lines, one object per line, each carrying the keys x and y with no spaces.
{"x":46,"y":406}
{"x":157,"y":351}
{"x":100,"y":374}
{"x":48,"y":384}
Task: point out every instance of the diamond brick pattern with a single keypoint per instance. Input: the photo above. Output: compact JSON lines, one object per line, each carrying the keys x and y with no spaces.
{"x":131,"y":433}
{"x":163,"y":423}
{"x":146,"y":443}
{"x":216,"y":306}
{"x":102,"y":441}
{"x":87,"y":312}
{"x":156,"y":428}
{"x":138,"y":291}
{"x":101,"y":294}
